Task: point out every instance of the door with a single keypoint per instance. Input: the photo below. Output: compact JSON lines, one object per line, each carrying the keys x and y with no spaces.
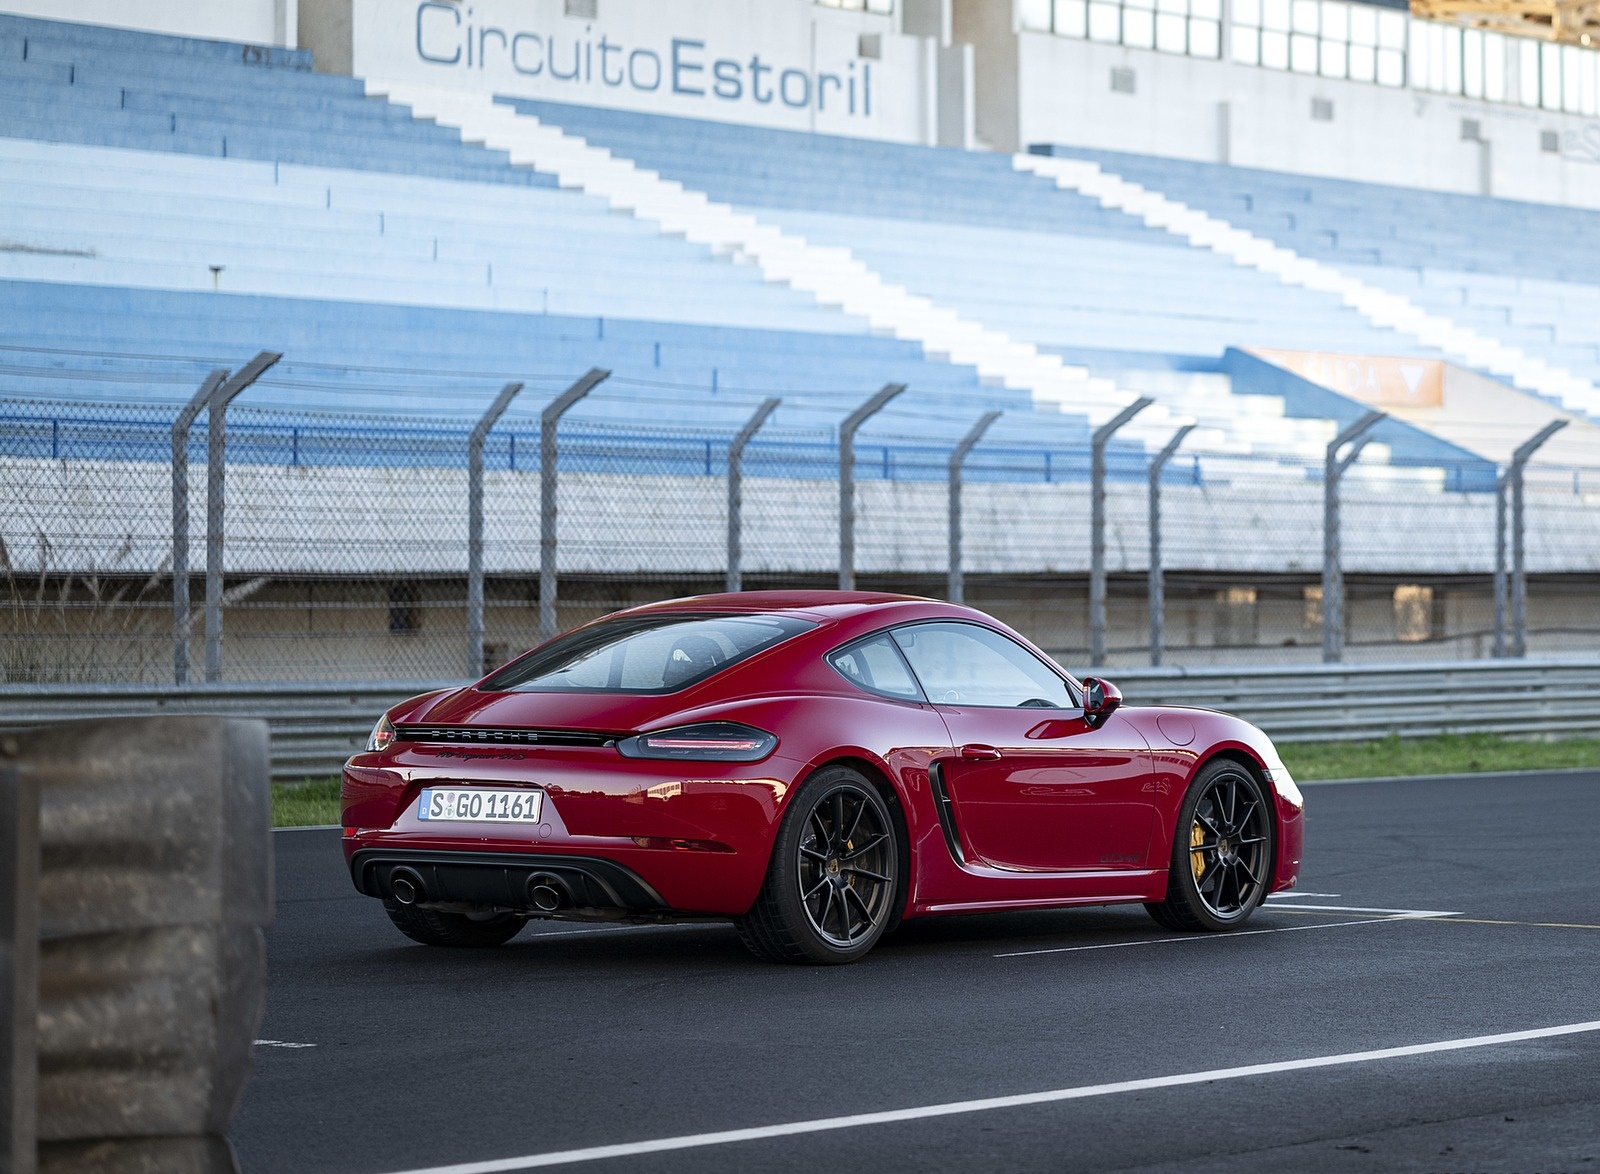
{"x":1032,"y":785}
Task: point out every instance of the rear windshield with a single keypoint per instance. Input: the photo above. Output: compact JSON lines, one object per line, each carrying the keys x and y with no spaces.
{"x":643,"y":654}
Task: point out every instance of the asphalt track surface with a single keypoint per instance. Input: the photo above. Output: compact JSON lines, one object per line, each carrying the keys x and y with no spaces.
{"x":573,"y":1037}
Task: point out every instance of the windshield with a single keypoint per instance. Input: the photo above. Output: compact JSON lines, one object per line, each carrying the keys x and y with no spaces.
{"x":659,"y":653}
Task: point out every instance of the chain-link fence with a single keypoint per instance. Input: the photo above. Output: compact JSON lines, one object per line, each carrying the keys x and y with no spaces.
{"x":341,"y":546}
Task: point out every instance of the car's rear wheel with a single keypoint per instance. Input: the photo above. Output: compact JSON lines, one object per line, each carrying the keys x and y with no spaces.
{"x":831,"y":884}
{"x":434,"y":928}
{"x":1222,"y":852}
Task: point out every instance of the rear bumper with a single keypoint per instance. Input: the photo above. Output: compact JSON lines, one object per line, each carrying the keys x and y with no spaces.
{"x":696,"y":844}
{"x":591,"y":885}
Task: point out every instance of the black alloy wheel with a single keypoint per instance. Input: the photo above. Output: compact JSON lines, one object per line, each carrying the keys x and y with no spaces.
{"x":844,"y":864}
{"x":831,"y":886}
{"x":1222,"y":854}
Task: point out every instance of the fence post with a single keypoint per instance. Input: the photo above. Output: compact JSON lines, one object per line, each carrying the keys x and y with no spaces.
{"x":736,"y":492}
{"x":1356,"y":435}
{"x":956,"y":589}
{"x":180,"y":523}
{"x":1501,"y":487}
{"x":1511,"y":480}
{"x":216,"y":477}
{"x":548,"y":452}
{"x":475,"y":442}
{"x":1155,"y":583}
{"x":1097,"y":526}
{"x":847,"y":480}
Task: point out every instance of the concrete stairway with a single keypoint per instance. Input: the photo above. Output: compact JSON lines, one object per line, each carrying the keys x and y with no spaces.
{"x":834,"y":276}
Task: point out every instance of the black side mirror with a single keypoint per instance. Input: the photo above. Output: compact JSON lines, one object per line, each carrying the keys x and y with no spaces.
{"x":1100,"y":700}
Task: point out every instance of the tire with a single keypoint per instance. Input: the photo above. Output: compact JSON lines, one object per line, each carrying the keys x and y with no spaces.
{"x":1222,"y":852}
{"x":432,"y":928}
{"x":834,"y":876}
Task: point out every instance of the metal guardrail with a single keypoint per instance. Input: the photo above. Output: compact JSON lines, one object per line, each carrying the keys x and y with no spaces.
{"x":316,"y":727}
{"x":1344,"y":702}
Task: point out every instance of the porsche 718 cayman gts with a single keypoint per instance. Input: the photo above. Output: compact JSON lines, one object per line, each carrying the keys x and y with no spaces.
{"x":816,"y":766}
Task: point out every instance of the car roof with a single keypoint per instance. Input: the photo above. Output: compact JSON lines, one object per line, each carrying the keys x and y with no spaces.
{"x":832,"y":604}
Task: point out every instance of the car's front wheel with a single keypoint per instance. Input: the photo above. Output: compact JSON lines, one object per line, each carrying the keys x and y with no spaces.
{"x":1222,"y":851}
{"x":831,"y":884}
{"x":434,"y":928}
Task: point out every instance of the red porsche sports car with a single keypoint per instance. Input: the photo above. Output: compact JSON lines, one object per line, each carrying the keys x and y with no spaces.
{"x":816,"y":766}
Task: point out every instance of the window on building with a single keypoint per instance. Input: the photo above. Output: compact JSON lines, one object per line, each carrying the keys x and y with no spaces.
{"x":1478,"y":64}
{"x":1337,"y":39}
{"x":1435,"y":57}
{"x":1324,"y":37}
{"x":1579,"y":77}
{"x":405,"y":609}
{"x":1311,"y":608}
{"x":1235,"y":617}
{"x":1189,"y":27}
{"x":1550,"y":77}
{"x":1413,"y":613}
{"x":1483,"y":65}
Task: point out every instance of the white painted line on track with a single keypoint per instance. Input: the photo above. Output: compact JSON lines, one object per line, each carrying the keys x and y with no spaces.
{"x":311,"y":827}
{"x":278,"y":1043}
{"x":1295,"y":895}
{"x":1413,"y":915}
{"x":1366,"y":909}
{"x":1020,"y":1100}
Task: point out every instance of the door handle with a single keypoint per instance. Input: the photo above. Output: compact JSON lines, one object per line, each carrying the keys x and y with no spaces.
{"x":977,"y":752}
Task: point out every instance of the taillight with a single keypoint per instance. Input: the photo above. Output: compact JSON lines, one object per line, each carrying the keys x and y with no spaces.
{"x":706,"y":742}
{"x":382,"y":736}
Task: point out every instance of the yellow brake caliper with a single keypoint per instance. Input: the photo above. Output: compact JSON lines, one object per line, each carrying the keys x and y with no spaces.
{"x":1197,"y":858}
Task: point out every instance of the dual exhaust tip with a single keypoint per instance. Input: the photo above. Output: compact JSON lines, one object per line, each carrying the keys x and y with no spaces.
{"x":406,"y":886}
{"x":546,"y":891}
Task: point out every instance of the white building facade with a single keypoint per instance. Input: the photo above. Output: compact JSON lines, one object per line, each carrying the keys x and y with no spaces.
{"x":1351,"y":90}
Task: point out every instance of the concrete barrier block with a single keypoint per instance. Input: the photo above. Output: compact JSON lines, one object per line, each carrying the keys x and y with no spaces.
{"x":19,"y":963}
{"x":156,"y":1155}
{"x":147,"y":1032}
{"x":152,"y":883}
{"x":151,"y":822}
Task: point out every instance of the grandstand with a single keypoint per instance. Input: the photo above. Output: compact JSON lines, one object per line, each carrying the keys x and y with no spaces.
{"x":396,"y":245}
{"x":1520,"y":273}
{"x":171,"y":205}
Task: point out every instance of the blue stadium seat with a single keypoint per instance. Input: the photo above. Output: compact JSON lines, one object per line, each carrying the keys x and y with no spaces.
{"x":1525,"y":274}
{"x":75,"y":83}
{"x":251,"y":202}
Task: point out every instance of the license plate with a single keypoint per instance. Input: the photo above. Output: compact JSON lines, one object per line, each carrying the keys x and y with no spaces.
{"x":478,"y":805}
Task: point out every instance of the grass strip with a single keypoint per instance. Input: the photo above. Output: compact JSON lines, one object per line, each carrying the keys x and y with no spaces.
{"x":307,"y":804}
{"x":316,"y":801}
{"x":1444,"y":754}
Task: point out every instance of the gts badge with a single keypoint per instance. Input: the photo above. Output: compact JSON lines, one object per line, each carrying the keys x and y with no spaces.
{"x":1121,"y":858}
{"x":474,"y":755}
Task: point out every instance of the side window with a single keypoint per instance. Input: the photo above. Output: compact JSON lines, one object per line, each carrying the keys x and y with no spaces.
{"x":966,"y":664}
{"x":874,"y":664}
